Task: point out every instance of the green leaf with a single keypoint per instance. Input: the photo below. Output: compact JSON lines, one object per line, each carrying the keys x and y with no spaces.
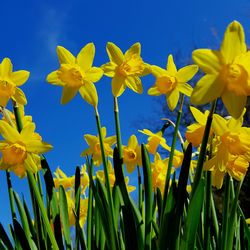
{"x":148,"y":196}
{"x":24,"y":220}
{"x":193,"y":217}
{"x":77,"y":205}
{"x":21,"y":236}
{"x":64,"y":217}
{"x":53,"y":206}
{"x":4,"y":237}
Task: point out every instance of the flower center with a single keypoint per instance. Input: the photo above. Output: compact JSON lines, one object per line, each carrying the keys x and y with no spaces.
{"x":129,"y":154}
{"x":14,"y":153}
{"x":7,"y":89}
{"x":132,"y":66}
{"x":72,"y":76}
{"x":166,"y":84}
{"x":233,"y":143}
{"x":235,"y":78}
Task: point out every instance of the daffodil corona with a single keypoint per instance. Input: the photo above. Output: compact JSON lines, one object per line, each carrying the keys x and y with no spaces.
{"x":20,"y":150}
{"x":77,"y":74}
{"x":171,"y":82}
{"x":125,"y":69}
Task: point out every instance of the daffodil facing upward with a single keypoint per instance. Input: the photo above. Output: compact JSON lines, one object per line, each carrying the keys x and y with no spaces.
{"x":94,"y":149}
{"x":226,"y":71}
{"x":20,"y":150}
{"x":232,"y":149}
{"x":171,"y":82}
{"x":77,"y":74}
{"x":125,"y":69}
{"x":9,"y":83}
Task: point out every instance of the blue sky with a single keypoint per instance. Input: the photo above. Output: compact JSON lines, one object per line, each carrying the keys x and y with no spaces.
{"x":31,"y":30}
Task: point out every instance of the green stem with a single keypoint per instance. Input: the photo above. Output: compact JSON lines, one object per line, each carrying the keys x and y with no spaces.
{"x":202,"y":154}
{"x":117,"y":127}
{"x":90,"y":217}
{"x":11,"y":195}
{"x":225,"y":213}
{"x":107,"y":182}
{"x":171,"y":157}
{"x":42,"y":209}
{"x":215,"y":219}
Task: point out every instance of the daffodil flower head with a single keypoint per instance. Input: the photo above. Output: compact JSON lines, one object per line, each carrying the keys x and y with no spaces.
{"x":77,"y":74}
{"x":20,"y":150}
{"x":195,"y":131}
{"x":101,"y":176}
{"x":9,"y":83}
{"x":154,"y":140}
{"x":227,"y":72}
{"x":95,"y":148}
{"x":125,"y":69}
{"x":232,"y":150}
{"x":171,"y":82}
{"x":70,"y":196}
{"x":159,"y":170}
{"x":132,"y":154}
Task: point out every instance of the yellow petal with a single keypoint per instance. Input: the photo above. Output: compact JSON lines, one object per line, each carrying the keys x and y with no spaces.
{"x":134,"y":83}
{"x":65,"y":56}
{"x":194,"y":134}
{"x":28,"y":132}
{"x":38,"y":147}
{"x":53,"y":78}
{"x":109,"y":69}
{"x":233,"y":43}
{"x":134,"y":49}
{"x":208,"y":60}
{"x":198,"y":116}
{"x":111,"y":140}
{"x":209,"y":165}
{"x":30,"y":164}
{"x":158,"y":72}
{"x":9,"y":133}
{"x":234,"y":104}
{"x":118,"y":85}
{"x":20,"y":77}
{"x":6,"y":67}
{"x":172,"y":99}
{"x":86,"y":56}
{"x":90,"y":139}
{"x":186,"y":73}
{"x":130,"y":167}
{"x":89,"y":94}
{"x":104,"y":132}
{"x":217,"y":178}
{"x":114,"y":53}
{"x":4,"y":100}
{"x":171,"y":68}
{"x":207,"y":89}
{"x":19,"y":97}
{"x":185,"y":89}
{"x":219,"y":125}
{"x":94,"y":74}
{"x":132,"y":142}
{"x":154,"y":91}
{"x":68,"y":94}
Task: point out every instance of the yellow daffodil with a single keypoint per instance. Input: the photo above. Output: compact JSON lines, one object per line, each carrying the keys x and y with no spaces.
{"x":171,"y":82}
{"x":77,"y":74}
{"x":132,"y":154}
{"x":125,"y":69}
{"x":194,"y":133}
{"x":9,"y":83}
{"x":232,"y":150}
{"x":95,"y":148}
{"x":61,"y":179}
{"x":20,"y":150}
{"x":70,"y":195}
{"x":100,"y":175}
{"x":226,"y":71}
{"x":154,"y":140}
{"x":159,"y":171}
